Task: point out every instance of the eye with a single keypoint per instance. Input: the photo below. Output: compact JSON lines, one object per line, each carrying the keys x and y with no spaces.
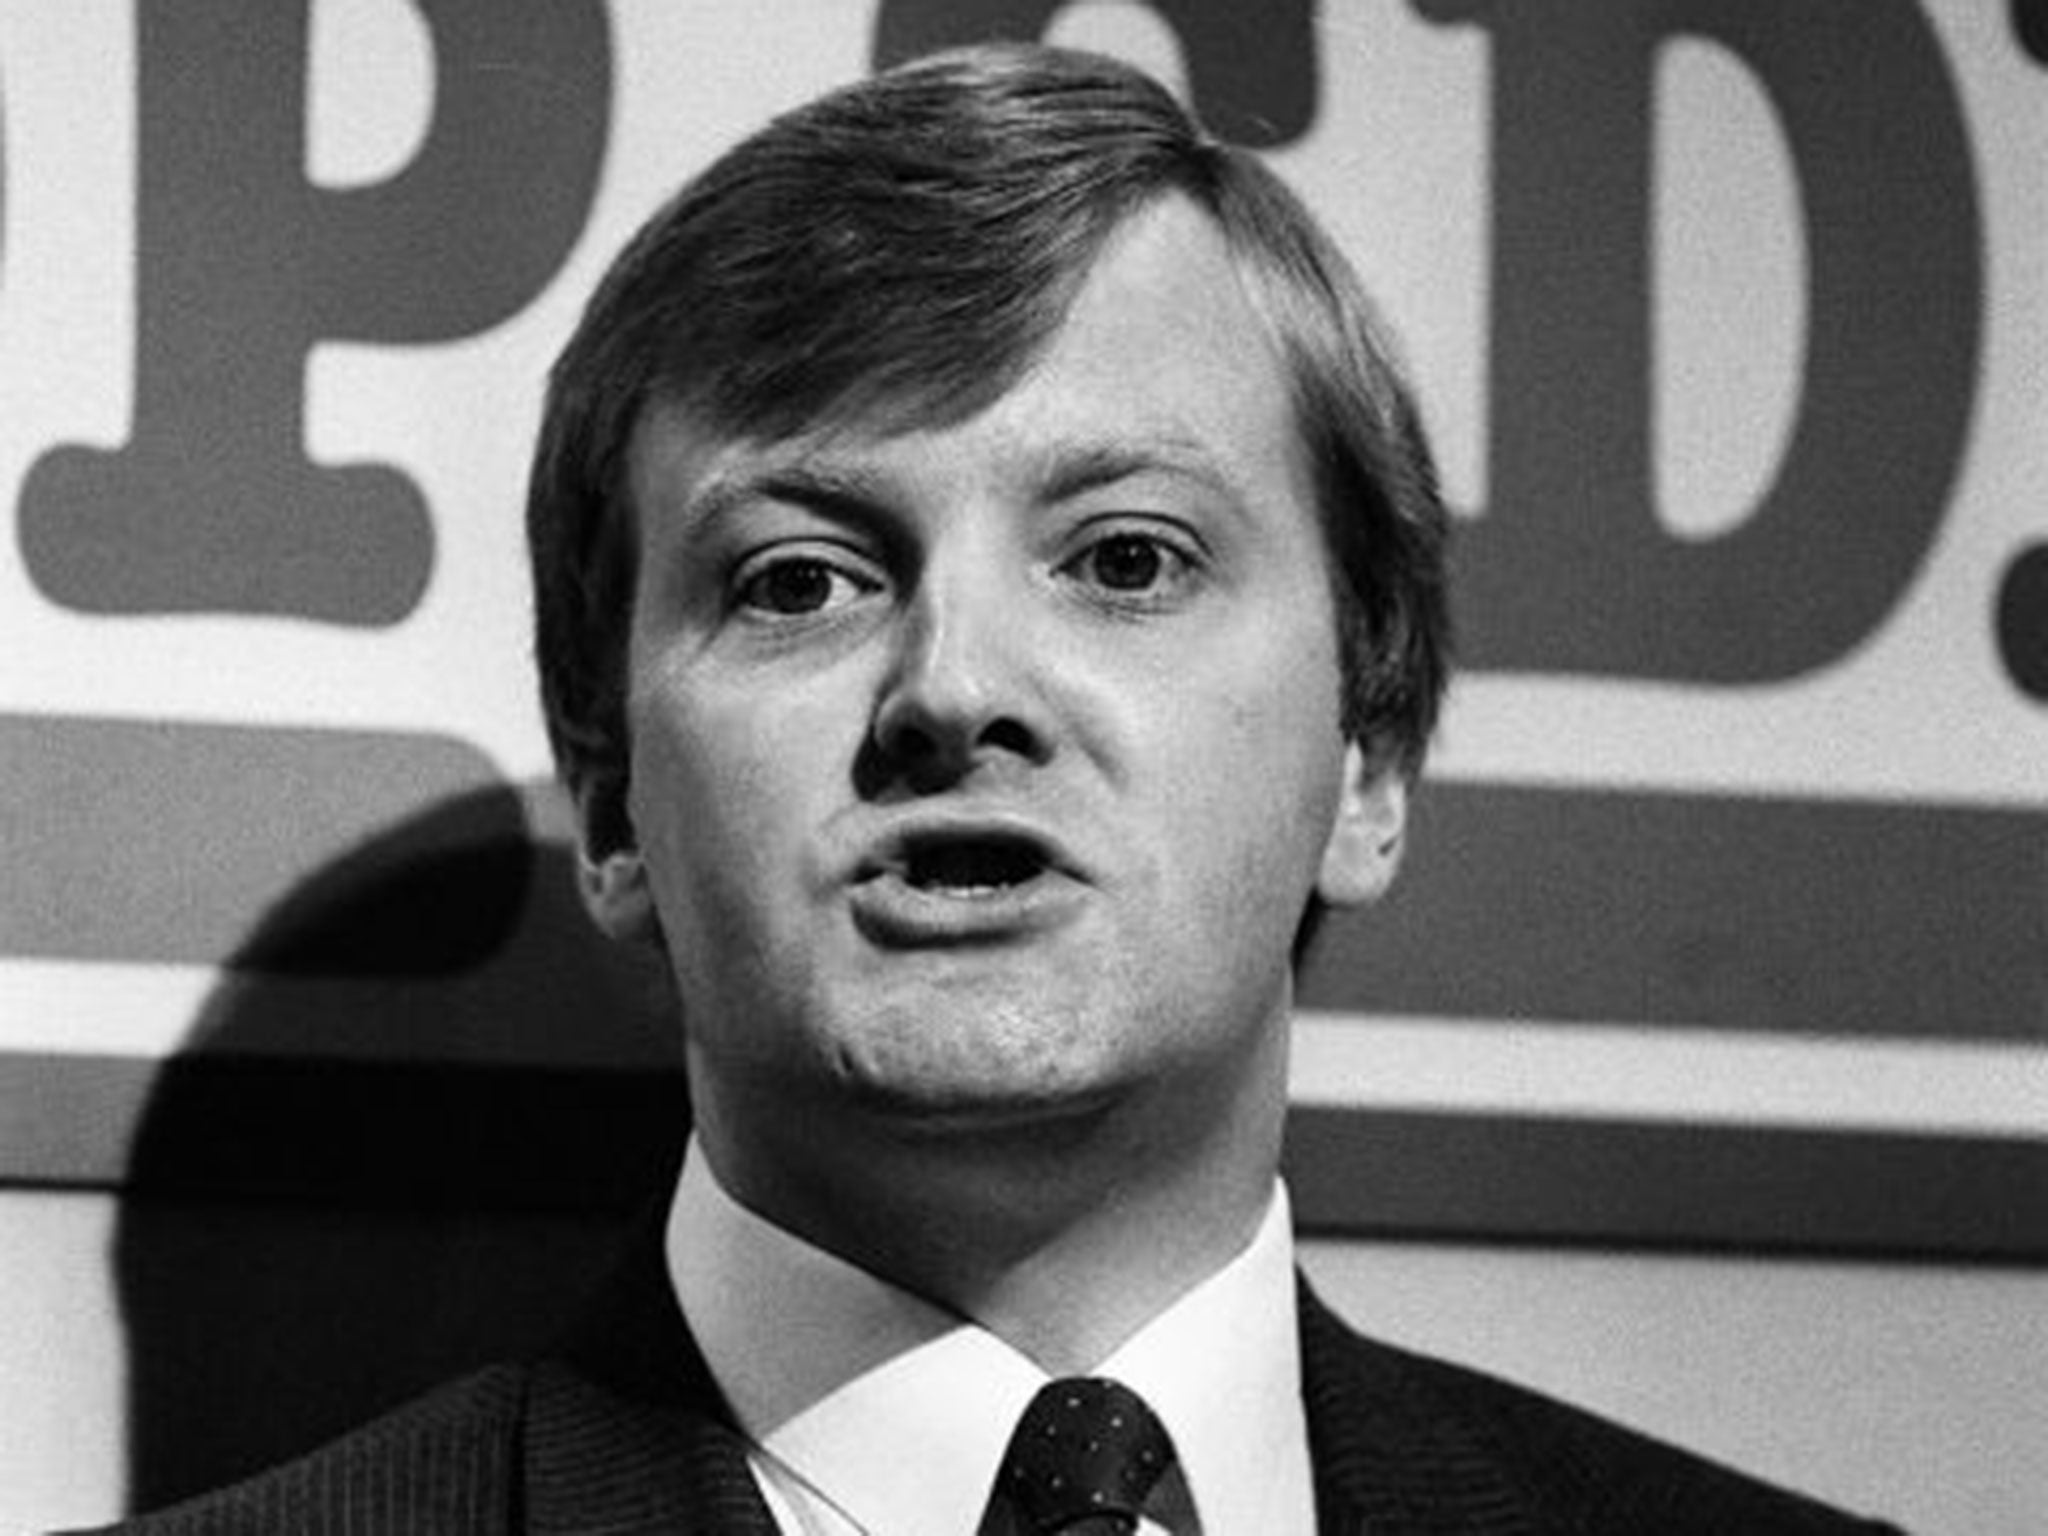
{"x":792,"y":586}
{"x":1127,"y":563}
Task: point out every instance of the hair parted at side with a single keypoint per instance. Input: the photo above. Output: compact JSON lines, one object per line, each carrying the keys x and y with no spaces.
{"x":898,"y":252}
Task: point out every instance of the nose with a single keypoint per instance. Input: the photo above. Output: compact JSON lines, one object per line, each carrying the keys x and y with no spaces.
{"x":962,"y":686}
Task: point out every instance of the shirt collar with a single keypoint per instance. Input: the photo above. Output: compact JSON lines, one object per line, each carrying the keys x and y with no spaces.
{"x":832,"y":1372}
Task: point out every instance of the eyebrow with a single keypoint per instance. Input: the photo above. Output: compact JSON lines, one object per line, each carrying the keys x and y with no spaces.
{"x":1072,"y":469}
{"x":845,"y":490}
{"x":1055,"y":472}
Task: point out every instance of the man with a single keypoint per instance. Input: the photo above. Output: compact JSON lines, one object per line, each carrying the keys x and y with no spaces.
{"x":990,"y":595}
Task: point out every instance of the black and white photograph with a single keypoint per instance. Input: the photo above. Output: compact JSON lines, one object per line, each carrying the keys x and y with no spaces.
{"x":992,"y":767}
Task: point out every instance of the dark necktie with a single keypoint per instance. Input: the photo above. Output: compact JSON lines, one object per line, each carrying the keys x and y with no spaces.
{"x":1084,"y":1458}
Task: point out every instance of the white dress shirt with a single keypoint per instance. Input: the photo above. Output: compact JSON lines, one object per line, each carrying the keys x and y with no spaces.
{"x":869,"y":1410}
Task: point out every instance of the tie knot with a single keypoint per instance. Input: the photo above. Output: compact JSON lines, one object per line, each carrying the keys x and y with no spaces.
{"x":1086,"y":1449}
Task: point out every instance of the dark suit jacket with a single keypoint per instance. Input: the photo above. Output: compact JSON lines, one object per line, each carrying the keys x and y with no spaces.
{"x":623,"y":1431}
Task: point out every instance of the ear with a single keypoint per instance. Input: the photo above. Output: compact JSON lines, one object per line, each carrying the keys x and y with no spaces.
{"x":1367,"y":834}
{"x":611,"y":877}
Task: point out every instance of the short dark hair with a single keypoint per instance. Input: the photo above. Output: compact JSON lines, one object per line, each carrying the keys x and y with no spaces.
{"x":899,"y":251}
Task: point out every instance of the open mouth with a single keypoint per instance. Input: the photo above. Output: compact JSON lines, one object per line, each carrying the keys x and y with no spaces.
{"x":971,"y":864}
{"x":951,"y":883}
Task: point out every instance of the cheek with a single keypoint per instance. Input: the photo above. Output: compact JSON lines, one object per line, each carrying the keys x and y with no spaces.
{"x":725,"y":793}
{"x":1264,"y":726}
{"x":695,"y":785}
{"x":1260,"y":775}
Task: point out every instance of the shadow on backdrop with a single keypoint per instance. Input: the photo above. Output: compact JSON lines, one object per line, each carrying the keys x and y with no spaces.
{"x":405,"y":1134}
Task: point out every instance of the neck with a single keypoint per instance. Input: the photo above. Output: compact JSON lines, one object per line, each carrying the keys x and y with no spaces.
{"x":1062,"y":1231}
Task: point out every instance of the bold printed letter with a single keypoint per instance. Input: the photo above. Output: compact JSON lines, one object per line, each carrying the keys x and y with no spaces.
{"x":1251,"y":69}
{"x":243,"y":266}
{"x":1569,"y":570}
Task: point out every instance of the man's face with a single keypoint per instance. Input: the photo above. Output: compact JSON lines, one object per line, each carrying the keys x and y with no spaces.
{"x":985,"y":771}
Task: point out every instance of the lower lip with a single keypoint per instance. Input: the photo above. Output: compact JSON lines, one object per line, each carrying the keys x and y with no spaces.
{"x":891,"y":912}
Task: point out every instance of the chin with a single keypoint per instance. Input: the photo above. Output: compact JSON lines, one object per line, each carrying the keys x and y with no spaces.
{"x":985,"y":1073}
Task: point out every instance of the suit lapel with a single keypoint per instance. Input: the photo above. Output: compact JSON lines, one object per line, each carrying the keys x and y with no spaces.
{"x":626,"y":1431}
{"x":1389,"y":1457}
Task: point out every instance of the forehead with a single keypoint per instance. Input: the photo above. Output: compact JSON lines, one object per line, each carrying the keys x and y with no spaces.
{"x":1161,"y":362}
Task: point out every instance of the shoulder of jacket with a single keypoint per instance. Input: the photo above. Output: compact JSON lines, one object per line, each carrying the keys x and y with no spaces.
{"x":445,"y":1462}
{"x":1584,"y":1472}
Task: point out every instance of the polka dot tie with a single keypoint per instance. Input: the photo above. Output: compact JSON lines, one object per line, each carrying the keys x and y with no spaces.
{"x":1084,"y":1457}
